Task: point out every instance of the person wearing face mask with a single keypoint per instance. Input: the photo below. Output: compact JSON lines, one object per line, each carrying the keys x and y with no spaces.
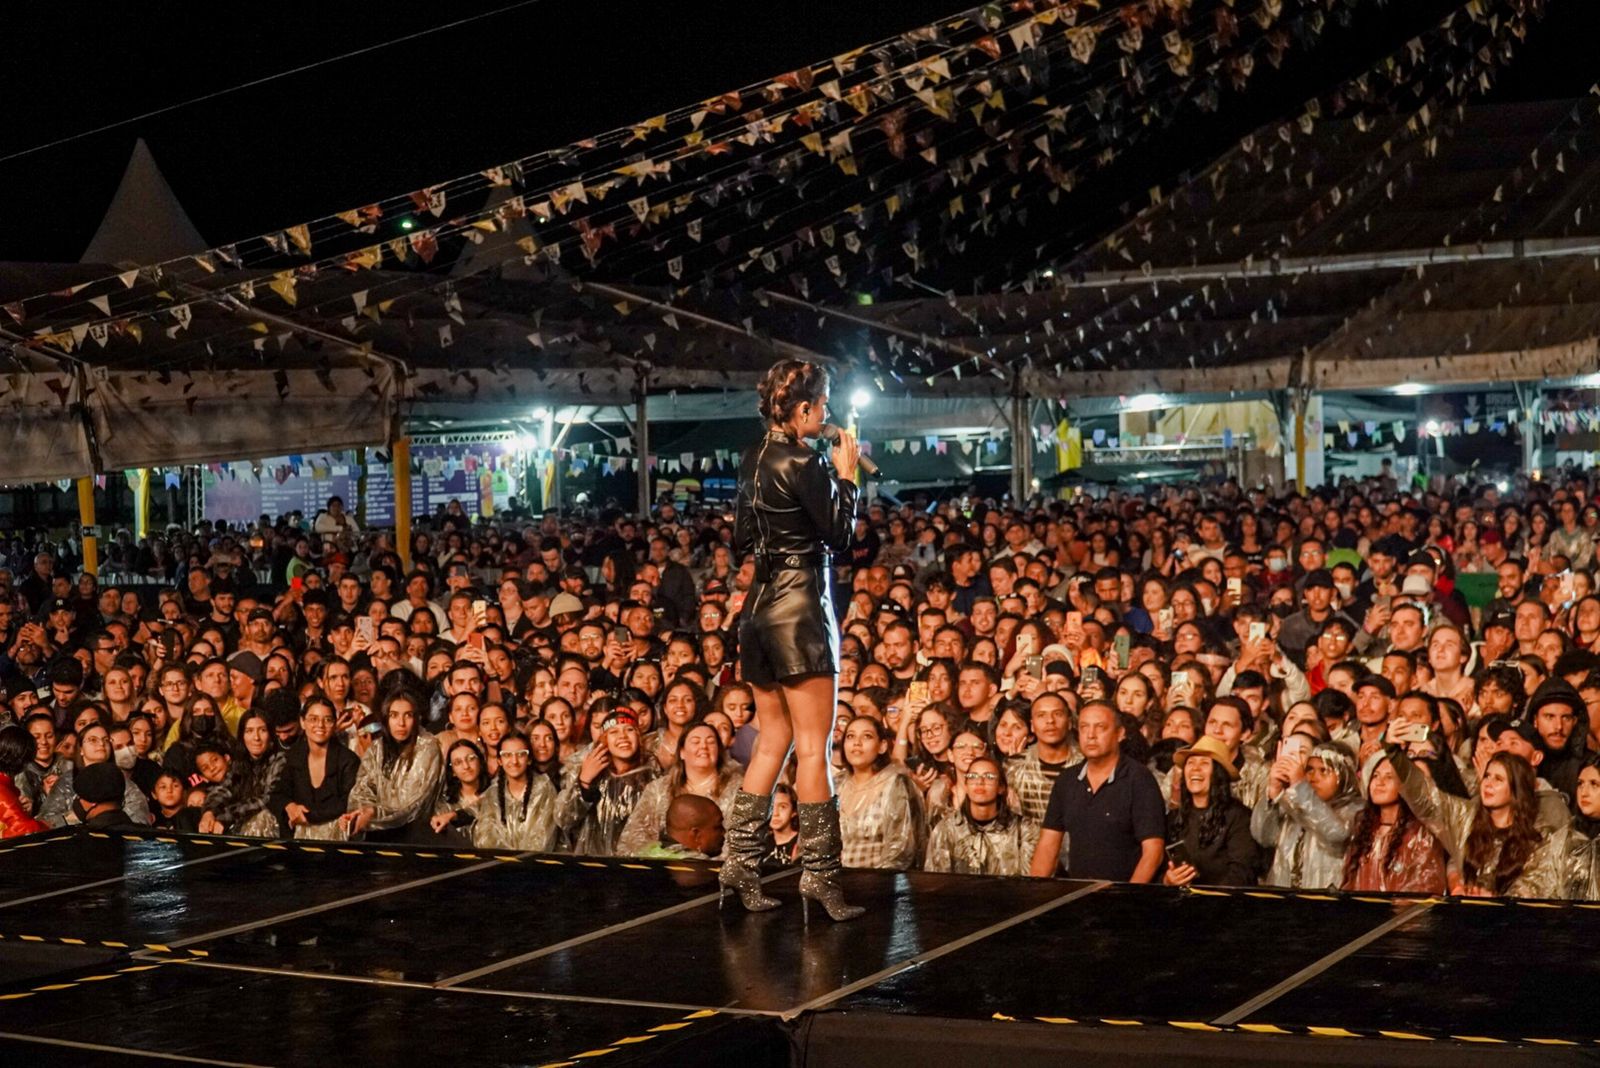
{"x":94,"y":749}
{"x":1300,"y":630}
{"x":200,"y":722}
{"x":125,"y":755}
{"x":1345,"y":585}
{"x":1277,"y":565}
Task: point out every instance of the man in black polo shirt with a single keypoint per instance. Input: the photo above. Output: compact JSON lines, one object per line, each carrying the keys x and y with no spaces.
{"x":1108,"y":810}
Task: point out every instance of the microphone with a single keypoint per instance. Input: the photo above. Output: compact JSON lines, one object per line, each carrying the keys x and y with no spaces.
{"x":830,"y":433}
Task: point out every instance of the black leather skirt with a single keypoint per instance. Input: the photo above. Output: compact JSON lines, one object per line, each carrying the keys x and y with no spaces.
{"x":788,"y":627}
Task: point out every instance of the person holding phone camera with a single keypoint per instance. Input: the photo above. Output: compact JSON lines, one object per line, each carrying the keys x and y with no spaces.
{"x":1208,"y":834}
{"x":1308,"y":813}
{"x":1496,"y":842}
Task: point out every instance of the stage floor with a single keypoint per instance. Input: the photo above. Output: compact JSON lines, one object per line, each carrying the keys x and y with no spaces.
{"x":211,"y":950}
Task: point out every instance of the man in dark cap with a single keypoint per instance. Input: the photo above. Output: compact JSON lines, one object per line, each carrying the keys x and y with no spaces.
{"x":259,"y":630}
{"x":1301,"y":629}
{"x":98,"y":805}
{"x":61,"y":625}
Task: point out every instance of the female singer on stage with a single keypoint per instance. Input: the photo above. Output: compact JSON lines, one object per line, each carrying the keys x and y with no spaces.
{"x":793,"y":513}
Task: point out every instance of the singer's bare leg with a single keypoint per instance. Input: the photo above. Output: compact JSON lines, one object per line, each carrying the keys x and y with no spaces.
{"x":798,"y":713}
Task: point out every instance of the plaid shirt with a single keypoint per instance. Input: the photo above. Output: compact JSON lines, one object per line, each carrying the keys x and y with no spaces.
{"x":1029,"y":786}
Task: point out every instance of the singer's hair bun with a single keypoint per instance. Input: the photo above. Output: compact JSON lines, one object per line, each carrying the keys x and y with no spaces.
{"x":789,"y":384}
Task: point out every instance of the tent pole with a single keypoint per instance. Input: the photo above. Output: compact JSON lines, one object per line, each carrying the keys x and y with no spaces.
{"x":91,"y":550}
{"x":141,"y":505}
{"x":1300,"y":401}
{"x":641,"y":443}
{"x":1021,"y":444}
{"x":400,"y":464}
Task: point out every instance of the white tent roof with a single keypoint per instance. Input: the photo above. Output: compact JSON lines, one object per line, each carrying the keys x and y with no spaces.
{"x":144,"y":223}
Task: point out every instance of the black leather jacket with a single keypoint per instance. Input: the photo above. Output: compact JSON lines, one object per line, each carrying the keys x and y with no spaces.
{"x":790,"y":502}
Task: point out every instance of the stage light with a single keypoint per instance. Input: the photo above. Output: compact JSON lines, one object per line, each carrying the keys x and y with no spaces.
{"x":1408,"y":389}
{"x":541,"y":413}
{"x":408,"y":223}
{"x":1503,"y":486}
{"x":1432,"y":427}
{"x":860,"y":399}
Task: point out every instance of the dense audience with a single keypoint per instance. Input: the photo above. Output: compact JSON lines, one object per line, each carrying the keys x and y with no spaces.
{"x":1369,"y":688}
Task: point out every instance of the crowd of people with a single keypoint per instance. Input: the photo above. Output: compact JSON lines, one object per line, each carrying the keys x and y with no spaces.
{"x":1210,"y":685}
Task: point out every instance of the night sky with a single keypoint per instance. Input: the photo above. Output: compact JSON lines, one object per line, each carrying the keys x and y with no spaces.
{"x":417,"y":113}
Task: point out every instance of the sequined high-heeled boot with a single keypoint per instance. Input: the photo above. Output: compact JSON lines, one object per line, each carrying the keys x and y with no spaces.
{"x":741,"y":852}
{"x":820,"y":849}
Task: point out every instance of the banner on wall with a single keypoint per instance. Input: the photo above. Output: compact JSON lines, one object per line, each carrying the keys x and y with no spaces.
{"x":276,"y":486}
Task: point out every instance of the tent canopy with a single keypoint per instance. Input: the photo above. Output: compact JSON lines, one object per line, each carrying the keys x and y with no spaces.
{"x":1389,"y":228}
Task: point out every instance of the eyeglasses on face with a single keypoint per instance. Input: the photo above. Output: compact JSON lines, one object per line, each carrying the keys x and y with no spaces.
{"x":982,"y":776}
{"x":513,"y":754}
{"x":967,"y":745}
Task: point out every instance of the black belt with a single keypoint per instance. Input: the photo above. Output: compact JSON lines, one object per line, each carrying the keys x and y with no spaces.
{"x":770,"y":562}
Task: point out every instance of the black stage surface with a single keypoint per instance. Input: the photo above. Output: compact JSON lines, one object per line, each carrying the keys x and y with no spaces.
{"x":205,"y":950}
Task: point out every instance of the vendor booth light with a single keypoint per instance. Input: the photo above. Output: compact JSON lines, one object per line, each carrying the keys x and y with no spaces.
{"x":1144,"y":402}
